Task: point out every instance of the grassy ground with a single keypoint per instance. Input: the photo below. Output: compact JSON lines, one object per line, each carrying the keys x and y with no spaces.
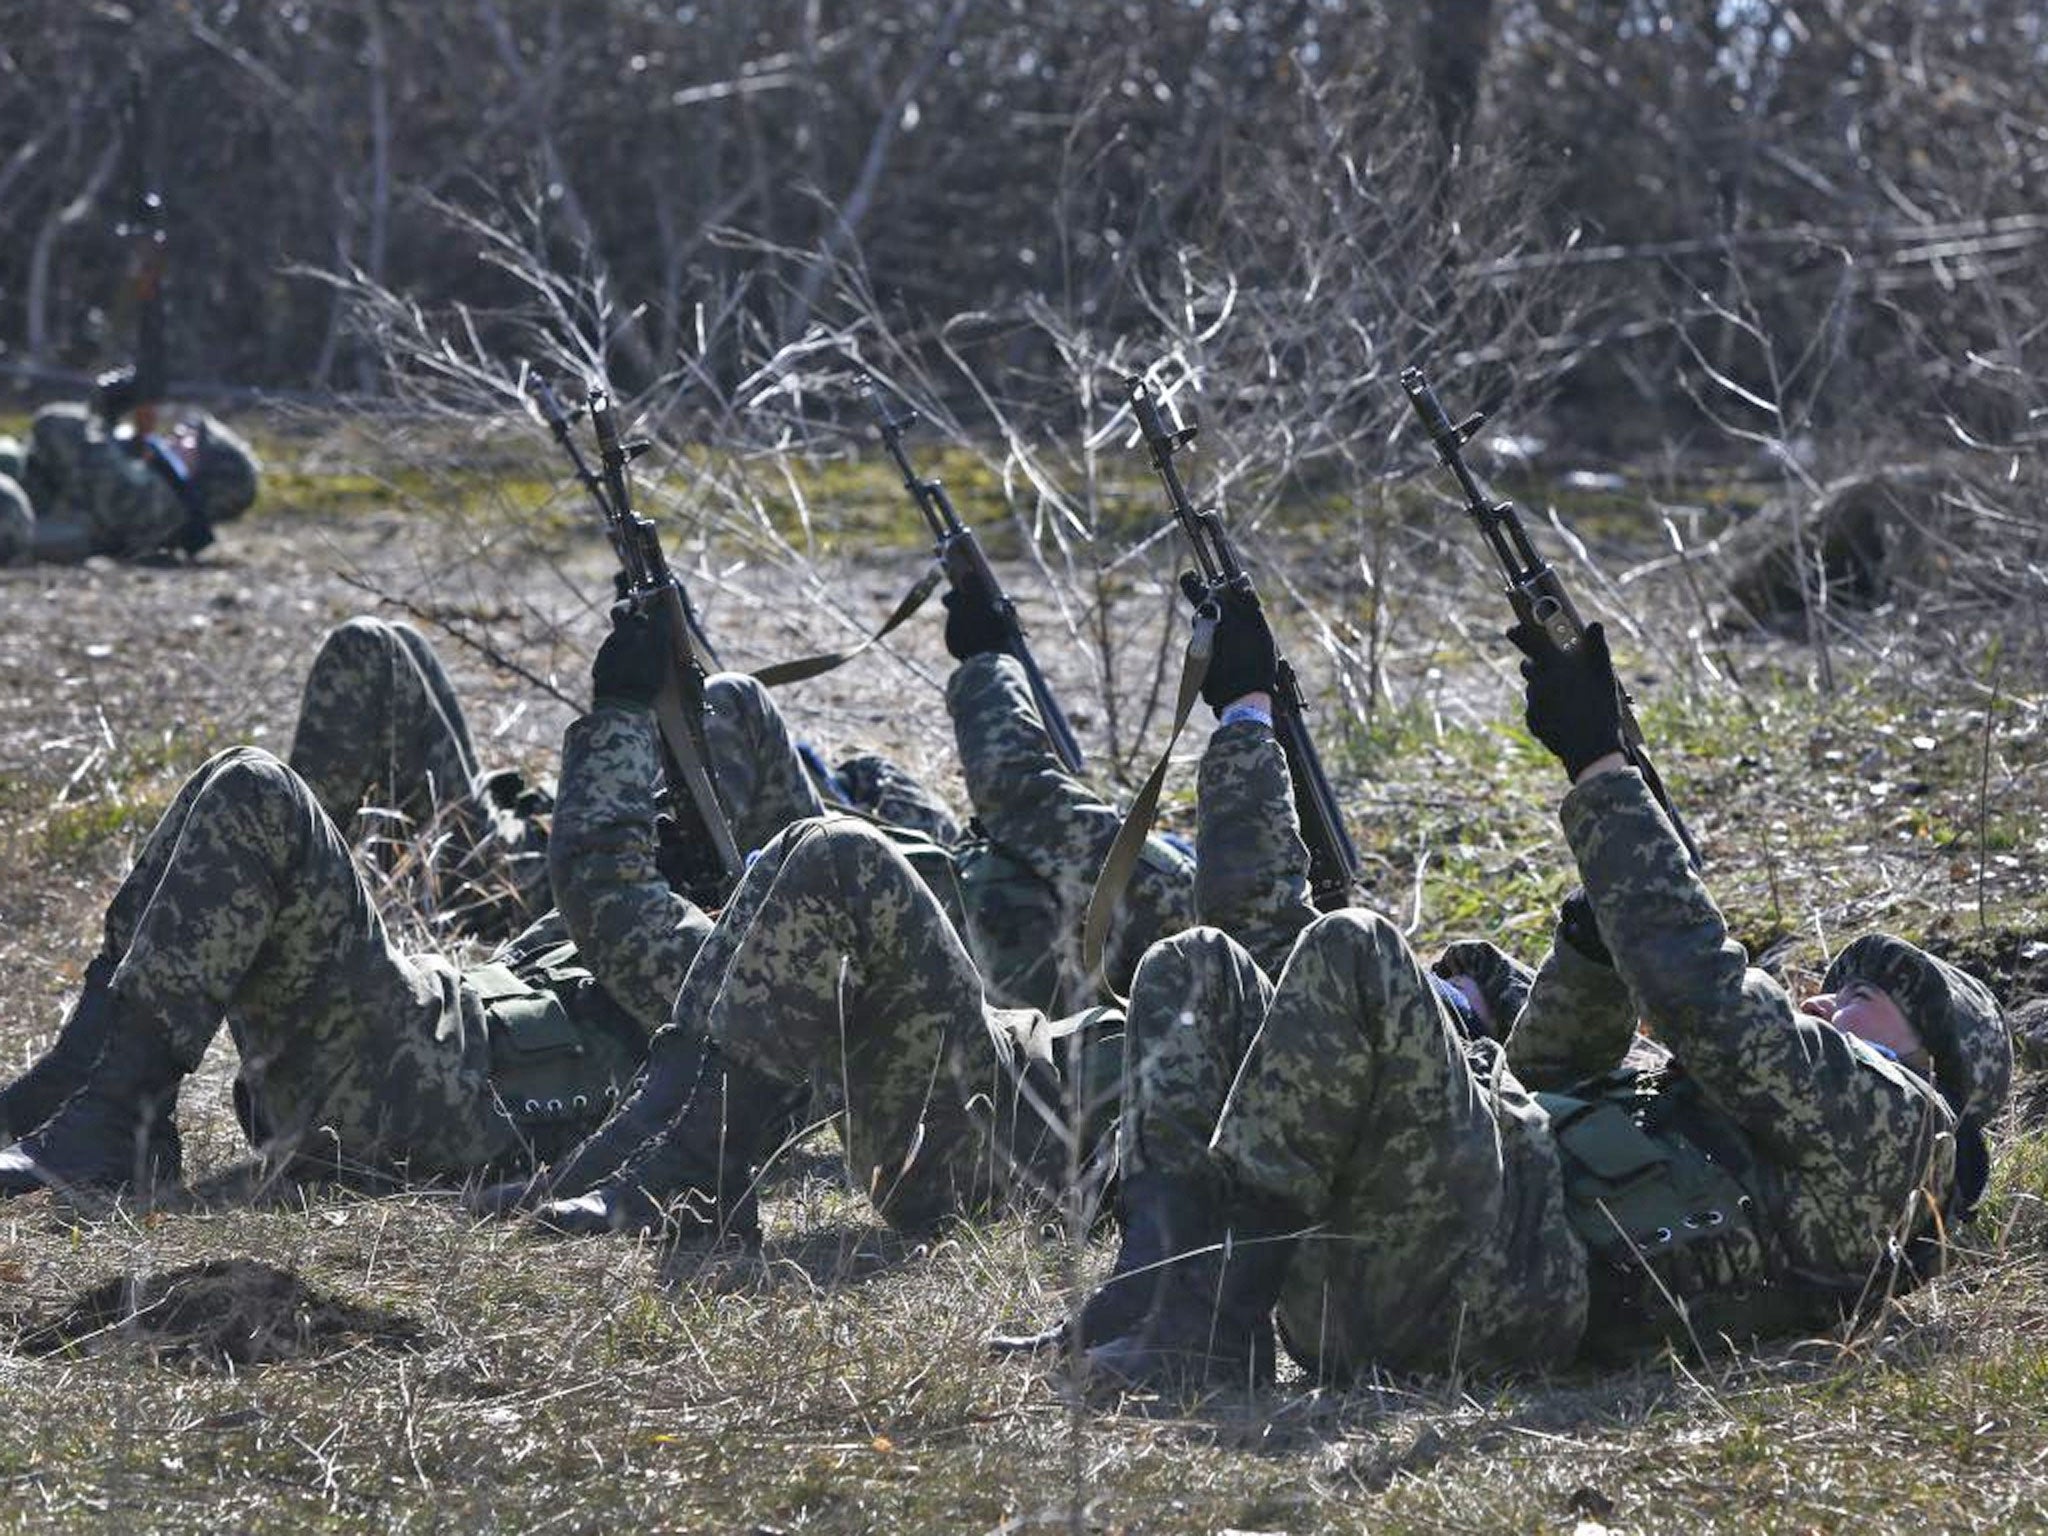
{"x":433,"y":1373}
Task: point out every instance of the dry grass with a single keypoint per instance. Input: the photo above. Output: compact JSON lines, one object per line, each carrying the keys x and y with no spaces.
{"x":839,"y":1384}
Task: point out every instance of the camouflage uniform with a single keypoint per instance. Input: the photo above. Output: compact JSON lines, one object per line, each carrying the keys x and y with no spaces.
{"x":245,"y":904}
{"x":381,"y":731}
{"x":17,"y":517}
{"x":1026,"y":880}
{"x":77,"y":475}
{"x":834,"y":966}
{"x":879,"y":787}
{"x":1448,"y":1212}
{"x":634,"y":930}
{"x":1025,"y":889}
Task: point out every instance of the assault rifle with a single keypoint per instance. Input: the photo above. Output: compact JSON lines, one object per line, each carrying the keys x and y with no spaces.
{"x":1332,"y":860}
{"x":679,"y":709}
{"x":1533,"y":590}
{"x":135,"y":389}
{"x":967,"y":569}
{"x":559,"y":419}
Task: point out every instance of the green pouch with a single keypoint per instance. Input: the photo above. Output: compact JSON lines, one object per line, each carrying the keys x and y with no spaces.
{"x":1606,"y":1144}
{"x":548,"y":1068}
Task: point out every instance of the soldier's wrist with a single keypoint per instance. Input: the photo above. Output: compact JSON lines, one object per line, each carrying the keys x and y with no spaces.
{"x":1607,"y":762}
{"x":1250,"y":706}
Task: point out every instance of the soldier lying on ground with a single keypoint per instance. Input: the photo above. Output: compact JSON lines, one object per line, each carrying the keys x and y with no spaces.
{"x":380,"y":727}
{"x":244,"y":904}
{"x":1413,"y":1198}
{"x":834,"y":968}
{"x":79,"y":489}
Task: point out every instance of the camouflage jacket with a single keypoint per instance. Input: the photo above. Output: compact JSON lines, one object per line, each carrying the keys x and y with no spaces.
{"x":636,"y":934}
{"x":1251,"y":866}
{"x":1026,"y":893}
{"x":1845,"y":1147}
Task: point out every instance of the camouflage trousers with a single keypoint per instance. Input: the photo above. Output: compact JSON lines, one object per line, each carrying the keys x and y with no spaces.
{"x":1344,"y":1092}
{"x":835,"y":966}
{"x":244,"y":904}
{"x":17,"y":517}
{"x":891,"y":793}
{"x":381,"y":733}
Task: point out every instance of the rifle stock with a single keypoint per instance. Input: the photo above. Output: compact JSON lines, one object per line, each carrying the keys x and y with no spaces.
{"x":1532,"y":587}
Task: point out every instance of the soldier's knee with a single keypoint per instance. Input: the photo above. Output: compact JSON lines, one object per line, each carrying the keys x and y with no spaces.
{"x":1188,"y":962}
{"x":358,"y":641}
{"x":739,"y":697}
{"x":253,"y":777}
{"x":55,"y":428}
{"x":245,"y":763}
{"x":17,"y":522}
{"x":1190,"y":949}
{"x":1353,"y":930}
{"x":864,"y":855}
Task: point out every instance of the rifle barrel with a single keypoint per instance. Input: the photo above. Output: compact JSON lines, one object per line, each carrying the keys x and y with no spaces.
{"x":961,"y":556}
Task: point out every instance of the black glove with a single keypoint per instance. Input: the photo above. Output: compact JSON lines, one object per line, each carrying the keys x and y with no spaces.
{"x":974,"y":626}
{"x":630,"y":664}
{"x":1245,"y":659}
{"x":1577,"y":927}
{"x":1574,"y":703}
{"x":114,"y":394}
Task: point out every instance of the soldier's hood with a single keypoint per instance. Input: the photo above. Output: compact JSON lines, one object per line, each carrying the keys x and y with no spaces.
{"x":1955,"y":1014}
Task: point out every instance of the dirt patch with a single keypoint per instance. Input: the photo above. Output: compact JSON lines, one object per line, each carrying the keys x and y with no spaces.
{"x":221,"y":1312}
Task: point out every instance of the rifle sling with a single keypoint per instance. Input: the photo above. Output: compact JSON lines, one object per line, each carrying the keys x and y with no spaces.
{"x":816,"y":666}
{"x":1129,"y":844}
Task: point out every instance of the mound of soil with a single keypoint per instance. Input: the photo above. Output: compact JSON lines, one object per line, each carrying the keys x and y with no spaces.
{"x":224,"y":1311}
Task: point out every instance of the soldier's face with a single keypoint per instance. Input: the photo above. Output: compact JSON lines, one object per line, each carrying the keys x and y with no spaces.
{"x":1868,"y":1013}
{"x":1469,"y":988}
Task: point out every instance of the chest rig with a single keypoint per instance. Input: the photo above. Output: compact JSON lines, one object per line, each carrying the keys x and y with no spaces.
{"x":1664,"y":1191}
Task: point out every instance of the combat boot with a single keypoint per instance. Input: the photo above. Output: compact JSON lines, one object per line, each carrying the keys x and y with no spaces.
{"x":119,"y":1130}
{"x":1211,"y":1323}
{"x":1152,"y":1209}
{"x":27,"y":1103}
{"x":674,"y":1069}
{"x":695,"y":1179}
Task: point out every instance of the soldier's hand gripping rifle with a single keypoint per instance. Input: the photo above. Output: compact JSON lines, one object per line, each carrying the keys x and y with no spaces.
{"x":559,"y":419}
{"x":1332,"y":860}
{"x":679,"y":708}
{"x":960,"y":554}
{"x":1533,"y":590}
